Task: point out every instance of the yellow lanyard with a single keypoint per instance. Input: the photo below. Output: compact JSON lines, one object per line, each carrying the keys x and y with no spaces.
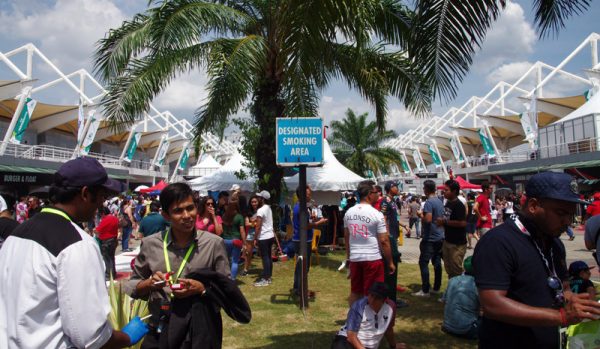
{"x":56,"y":212}
{"x":168,"y":263}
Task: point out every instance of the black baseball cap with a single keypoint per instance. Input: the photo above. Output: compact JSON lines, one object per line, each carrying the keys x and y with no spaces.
{"x":85,"y":172}
{"x":379,"y":290}
{"x":577,"y":267}
{"x":388,"y":185}
{"x":553,"y":185}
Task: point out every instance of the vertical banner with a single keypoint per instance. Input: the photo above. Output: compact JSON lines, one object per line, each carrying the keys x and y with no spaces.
{"x":184,"y":158}
{"x":418,"y":162}
{"x":405,"y":167}
{"x":161,"y":152}
{"x":435,"y":156}
{"x":456,"y":150}
{"x":80,"y":122}
{"x":86,"y":144}
{"x":132,"y":146}
{"x":487,"y":145}
{"x":23,"y":121}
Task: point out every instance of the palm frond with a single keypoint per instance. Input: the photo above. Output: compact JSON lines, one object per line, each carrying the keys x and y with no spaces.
{"x":445,"y":36}
{"x":550,"y":15}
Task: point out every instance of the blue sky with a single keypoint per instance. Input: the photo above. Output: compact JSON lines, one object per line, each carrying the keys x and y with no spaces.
{"x":65,"y":30}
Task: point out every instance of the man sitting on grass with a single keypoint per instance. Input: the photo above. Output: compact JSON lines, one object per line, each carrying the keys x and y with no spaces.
{"x":369,"y":320}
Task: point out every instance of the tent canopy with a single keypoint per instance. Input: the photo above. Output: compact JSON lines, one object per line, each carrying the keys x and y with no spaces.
{"x":224,"y":178}
{"x":157,"y":187}
{"x":332,"y":176}
{"x":207,"y":163}
{"x":463,"y":184}
{"x":590,"y":107}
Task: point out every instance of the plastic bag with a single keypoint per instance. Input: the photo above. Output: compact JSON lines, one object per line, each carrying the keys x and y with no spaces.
{"x":585,"y":335}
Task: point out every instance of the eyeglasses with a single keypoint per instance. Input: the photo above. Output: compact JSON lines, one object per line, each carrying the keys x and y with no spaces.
{"x":556,"y":285}
{"x":210,"y":204}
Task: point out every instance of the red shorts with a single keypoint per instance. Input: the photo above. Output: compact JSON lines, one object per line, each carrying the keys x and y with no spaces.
{"x":364,"y":274}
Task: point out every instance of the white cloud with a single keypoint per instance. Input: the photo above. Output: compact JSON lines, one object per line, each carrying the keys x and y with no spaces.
{"x":65,"y":31}
{"x":510,"y":38}
{"x":184,"y":94}
{"x":510,"y":72}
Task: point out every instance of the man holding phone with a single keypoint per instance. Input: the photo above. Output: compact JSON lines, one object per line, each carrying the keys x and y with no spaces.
{"x":166,"y":258}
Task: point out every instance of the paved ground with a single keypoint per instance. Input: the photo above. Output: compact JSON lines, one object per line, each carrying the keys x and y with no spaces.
{"x":575,"y":249}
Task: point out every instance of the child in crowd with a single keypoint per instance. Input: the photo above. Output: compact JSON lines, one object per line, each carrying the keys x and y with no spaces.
{"x":494,"y":214}
{"x":580,"y":279}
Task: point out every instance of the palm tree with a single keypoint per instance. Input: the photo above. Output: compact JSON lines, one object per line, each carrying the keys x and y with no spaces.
{"x":278,"y":55}
{"x":357,"y":144}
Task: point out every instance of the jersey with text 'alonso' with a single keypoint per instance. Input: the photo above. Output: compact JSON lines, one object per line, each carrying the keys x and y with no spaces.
{"x":364,"y":223}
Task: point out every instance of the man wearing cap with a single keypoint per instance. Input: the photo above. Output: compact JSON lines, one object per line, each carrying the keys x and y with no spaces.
{"x":369,"y":320}
{"x":520,"y":271}
{"x":390,"y":215}
{"x":52,"y":274}
{"x":580,"y":279}
{"x":264,"y":237}
{"x":7,"y":222}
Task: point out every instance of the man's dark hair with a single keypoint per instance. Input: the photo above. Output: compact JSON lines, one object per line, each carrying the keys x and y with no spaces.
{"x":105,"y":211}
{"x":485,"y":186}
{"x":379,"y":189}
{"x":364,"y":188}
{"x":10,"y":202}
{"x":222,"y":194}
{"x":154,"y":206}
{"x":413,"y":198}
{"x":429,"y":186}
{"x":64,"y":195}
{"x":453,"y":186}
{"x":174,"y":193}
{"x":298,"y":190}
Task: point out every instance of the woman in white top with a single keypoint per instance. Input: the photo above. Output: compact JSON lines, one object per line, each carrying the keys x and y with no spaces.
{"x":264,"y":237}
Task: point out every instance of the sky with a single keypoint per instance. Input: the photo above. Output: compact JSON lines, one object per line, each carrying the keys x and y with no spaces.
{"x":66,"y":31}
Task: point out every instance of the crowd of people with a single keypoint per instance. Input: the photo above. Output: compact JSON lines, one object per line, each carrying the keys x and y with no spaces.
{"x":514,"y":292}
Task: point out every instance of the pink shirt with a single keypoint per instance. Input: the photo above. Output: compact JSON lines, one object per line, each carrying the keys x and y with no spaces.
{"x":208,"y":226}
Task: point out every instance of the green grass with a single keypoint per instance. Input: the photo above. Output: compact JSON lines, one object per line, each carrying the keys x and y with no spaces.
{"x":278,"y":322}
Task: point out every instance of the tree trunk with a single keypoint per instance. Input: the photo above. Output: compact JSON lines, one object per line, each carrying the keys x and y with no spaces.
{"x":265,"y":108}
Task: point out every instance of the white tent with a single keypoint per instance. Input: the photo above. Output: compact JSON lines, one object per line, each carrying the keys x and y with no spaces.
{"x":590,"y":107}
{"x":205,"y":167}
{"x":224,"y":178}
{"x":327,"y":181}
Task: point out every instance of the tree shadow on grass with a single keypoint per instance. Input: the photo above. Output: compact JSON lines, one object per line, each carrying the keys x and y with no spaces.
{"x":305,"y":340}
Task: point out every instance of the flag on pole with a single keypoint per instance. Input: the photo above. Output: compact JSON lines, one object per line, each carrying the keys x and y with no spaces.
{"x":23,"y":121}
{"x":161,"y":152}
{"x":132,"y":146}
{"x":184,"y":158}
{"x":86,"y":144}
{"x":487,"y":144}
{"x":456,"y":150}
{"x":404,"y":163}
{"x":80,"y":122}
{"x":435,"y":156}
{"x":418,"y":162}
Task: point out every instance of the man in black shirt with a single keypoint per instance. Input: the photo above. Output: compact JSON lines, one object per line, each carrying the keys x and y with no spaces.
{"x":521,"y":273}
{"x":7,"y":222}
{"x":455,"y":223}
{"x":390,"y":214}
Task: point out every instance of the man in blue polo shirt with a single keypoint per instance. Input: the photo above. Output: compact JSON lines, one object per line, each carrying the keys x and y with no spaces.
{"x":153,"y":222}
{"x":309,"y":237}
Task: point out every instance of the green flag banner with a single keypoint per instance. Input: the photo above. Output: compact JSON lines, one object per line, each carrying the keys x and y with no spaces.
{"x":418,"y":162}
{"x":404,"y":162}
{"x":80,"y":122}
{"x":132,"y":146}
{"x":487,"y":144}
{"x":184,"y":158}
{"x":161,"y":152}
{"x":435,"y":156}
{"x":456,"y":151}
{"x":86,"y":144}
{"x":23,"y":121}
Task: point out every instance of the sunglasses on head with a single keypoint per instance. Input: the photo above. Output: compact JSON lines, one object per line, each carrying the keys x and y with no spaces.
{"x":556,"y":285}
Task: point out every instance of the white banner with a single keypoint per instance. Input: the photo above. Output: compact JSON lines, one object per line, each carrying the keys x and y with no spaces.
{"x":161,"y":152}
{"x":80,"y":122}
{"x":86,"y":144}
{"x":418,"y":162}
{"x":456,"y":150}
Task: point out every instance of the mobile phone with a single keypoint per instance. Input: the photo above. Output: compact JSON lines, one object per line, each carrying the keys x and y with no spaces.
{"x":175,"y":287}
{"x":161,"y":282}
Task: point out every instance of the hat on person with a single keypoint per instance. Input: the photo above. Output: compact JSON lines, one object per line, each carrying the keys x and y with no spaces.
{"x":235,"y":187}
{"x":379,"y":290}
{"x":85,"y":172}
{"x":264,"y":194}
{"x":577,"y":267}
{"x":3,"y":205}
{"x":553,"y":185}
{"x":468,"y":265}
{"x":388,"y":185}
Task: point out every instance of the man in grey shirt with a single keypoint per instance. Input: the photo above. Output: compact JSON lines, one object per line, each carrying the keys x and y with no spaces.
{"x":414,"y":217}
{"x":158,"y":279}
{"x":433,"y":238}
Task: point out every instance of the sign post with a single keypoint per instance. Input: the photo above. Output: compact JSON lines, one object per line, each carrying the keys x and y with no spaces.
{"x":299,"y":143}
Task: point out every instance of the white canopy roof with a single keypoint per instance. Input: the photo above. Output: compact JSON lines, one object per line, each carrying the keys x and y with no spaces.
{"x":590,"y":107}
{"x":224,"y":178}
{"x":208,"y":163}
{"x":332,"y":176}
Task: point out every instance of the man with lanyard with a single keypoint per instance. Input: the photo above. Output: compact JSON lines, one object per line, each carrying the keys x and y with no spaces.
{"x":309,"y":237}
{"x":390,"y":214}
{"x":166,"y":258}
{"x":520,"y":271}
{"x":483,"y":211}
{"x":52,"y":274}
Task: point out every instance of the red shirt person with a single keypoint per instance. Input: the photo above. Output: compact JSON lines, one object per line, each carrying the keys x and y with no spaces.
{"x":594,"y":208}
{"x":482,"y":209}
{"x":107,"y":231}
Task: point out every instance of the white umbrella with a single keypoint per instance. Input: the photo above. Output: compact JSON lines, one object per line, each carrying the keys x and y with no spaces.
{"x":140,"y":187}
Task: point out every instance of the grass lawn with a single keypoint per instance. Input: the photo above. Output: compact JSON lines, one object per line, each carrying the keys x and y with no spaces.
{"x":278,"y":322}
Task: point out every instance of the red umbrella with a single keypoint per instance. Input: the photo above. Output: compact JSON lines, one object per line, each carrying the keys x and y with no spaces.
{"x":157,"y":187}
{"x":463,"y":184}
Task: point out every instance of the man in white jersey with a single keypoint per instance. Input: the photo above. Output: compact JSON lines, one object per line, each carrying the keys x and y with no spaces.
{"x":366,"y":239}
